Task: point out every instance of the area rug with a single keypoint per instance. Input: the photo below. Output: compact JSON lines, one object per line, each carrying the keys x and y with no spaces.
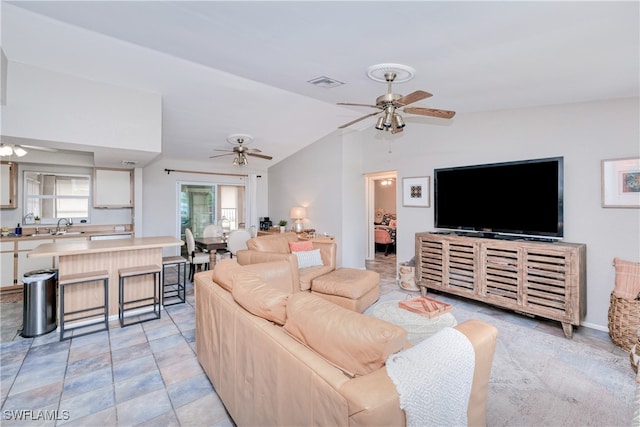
{"x":538,"y":379}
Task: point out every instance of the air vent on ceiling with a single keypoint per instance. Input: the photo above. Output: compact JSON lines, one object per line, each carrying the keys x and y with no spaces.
{"x":129,"y":162}
{"x":326,"y":82}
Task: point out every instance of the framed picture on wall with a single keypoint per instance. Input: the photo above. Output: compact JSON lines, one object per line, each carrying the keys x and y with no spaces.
{"x":415,"y":192}
{"x":621,"y":183}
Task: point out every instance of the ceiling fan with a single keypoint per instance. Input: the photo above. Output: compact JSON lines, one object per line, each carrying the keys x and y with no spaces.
{"x":390,"y":103}
{"x":240,"y":150}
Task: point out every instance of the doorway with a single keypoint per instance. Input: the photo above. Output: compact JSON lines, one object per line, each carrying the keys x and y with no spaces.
{"x":381,"y":199}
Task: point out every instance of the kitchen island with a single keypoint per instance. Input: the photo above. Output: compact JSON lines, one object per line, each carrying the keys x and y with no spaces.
{"x":94,"y":255}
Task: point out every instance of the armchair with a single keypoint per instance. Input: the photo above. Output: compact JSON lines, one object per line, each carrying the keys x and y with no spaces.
{"x":385,"y":231}
{"x":275,"y":247}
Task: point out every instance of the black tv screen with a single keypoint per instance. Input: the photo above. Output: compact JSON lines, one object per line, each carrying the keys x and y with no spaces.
{"x":513,"y":198}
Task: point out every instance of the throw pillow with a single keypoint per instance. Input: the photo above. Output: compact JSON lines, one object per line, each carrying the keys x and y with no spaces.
{"x":304,"y":245}
{"x":258,"y":298}
{"x":356,"y":343}
{"x":627,"y":284}
{"x":309,"y":258}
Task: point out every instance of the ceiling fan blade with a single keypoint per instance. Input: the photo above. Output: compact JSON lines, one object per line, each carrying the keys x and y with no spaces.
{"x":252,"y":150}
{"x":262,"y":156}
{"x":357,"y":105}
{"x":413,"y":97}
{"x":357,"y":120}
{"x":223,"y":149}
{"x":443,"y":114}
{"x":33,"y":147}
{"x":222,"y":155}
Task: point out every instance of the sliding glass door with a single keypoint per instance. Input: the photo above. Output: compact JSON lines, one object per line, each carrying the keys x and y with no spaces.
{"x":202,"y":204}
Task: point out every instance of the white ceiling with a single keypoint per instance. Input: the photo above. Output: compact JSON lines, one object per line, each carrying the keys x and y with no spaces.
{"x":242,"y":67}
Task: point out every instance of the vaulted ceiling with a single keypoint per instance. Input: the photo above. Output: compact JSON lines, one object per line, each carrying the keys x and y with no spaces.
{"x":243,"y":67}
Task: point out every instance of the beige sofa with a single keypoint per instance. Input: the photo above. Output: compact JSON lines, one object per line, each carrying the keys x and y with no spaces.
{"x":275,"y":247}
{"x":279,"y":357}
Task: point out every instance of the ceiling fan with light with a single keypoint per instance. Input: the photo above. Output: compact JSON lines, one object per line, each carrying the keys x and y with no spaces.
{"x":390,"y":103}
{"x":240,"y":151}
{"x":20,"y":150}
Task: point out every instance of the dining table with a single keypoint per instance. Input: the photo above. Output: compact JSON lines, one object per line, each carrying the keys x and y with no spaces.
{"x":211,"y":245}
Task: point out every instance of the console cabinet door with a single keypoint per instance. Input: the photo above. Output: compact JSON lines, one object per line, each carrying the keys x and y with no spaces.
{"x":112,"y":188}
{"x":8,"y":176}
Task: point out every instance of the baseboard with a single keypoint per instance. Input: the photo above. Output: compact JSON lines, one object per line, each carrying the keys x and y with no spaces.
{"x":594,"y":326}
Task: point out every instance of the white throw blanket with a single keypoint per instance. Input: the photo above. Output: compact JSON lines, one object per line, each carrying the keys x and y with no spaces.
{"x":434,"y":379}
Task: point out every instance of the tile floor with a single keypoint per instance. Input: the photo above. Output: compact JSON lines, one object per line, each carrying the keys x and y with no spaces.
{"x":141,"y":375}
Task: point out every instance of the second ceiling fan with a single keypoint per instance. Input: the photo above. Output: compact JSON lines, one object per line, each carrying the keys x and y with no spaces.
{"x":390,"y":103}
{"x":240,"y":150}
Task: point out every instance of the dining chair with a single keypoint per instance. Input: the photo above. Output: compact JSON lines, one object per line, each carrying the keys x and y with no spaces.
{"x":237,"y":240}
{"x":195,"y":256}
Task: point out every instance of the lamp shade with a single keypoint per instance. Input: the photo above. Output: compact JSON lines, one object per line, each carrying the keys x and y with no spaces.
{"x":298,"y":212}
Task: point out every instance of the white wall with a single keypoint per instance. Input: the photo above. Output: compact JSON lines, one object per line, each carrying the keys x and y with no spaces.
{"x":584,"y":134}
{"x":385,"y":196}
{"x":159,"y":197}
{"x":46,"y":105}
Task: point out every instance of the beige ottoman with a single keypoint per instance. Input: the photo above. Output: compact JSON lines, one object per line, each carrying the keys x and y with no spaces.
{"x":348,"y":288}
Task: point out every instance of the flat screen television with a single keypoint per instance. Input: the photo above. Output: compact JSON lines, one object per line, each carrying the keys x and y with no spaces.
{"x":519,"y":198}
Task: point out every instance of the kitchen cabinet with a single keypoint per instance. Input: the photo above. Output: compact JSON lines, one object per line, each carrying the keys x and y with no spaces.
{"x":112,"y":188}
{"x":7,"y":261}
{"x":8,"y":184}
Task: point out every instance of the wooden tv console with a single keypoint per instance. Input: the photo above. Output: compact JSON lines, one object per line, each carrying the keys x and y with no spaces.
{"x":546,"y":279}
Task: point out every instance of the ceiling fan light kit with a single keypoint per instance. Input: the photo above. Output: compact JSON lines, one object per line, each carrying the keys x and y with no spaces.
{"x":9,"y":150}
{"x":240,"y":151}
{"x":390,"y":103}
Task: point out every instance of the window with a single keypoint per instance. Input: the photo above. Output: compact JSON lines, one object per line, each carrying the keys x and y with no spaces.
{"x":52,"y":196}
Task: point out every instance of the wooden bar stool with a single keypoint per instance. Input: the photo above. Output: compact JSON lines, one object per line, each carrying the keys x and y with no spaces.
{"x":174,"y":291}
{"x":103,"y":314}
{"x":139,"y":303}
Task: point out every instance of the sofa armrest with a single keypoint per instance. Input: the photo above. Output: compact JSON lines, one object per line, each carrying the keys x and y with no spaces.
{"x":328,"y":252}
{"x":373,"y":398}
{"x":483,"y":337}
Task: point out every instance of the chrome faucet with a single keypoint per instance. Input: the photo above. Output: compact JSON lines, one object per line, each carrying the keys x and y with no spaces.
{"x":27,"y":216}
{"x":68,"y":223}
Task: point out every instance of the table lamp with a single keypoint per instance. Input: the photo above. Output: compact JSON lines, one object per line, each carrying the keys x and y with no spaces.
{"x":298,"y":213}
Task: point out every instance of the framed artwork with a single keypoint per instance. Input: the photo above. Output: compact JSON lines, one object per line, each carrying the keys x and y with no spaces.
{"x":415,"y":192}
{"x":621,"y":183}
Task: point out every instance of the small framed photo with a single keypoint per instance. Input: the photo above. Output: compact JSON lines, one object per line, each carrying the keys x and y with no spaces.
{"x":415,"y":192}
{"x":621,"y":183}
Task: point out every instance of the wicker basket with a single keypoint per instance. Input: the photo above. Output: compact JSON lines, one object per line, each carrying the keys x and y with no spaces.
{"x":624,"y":321}
{"x":634,"y":355}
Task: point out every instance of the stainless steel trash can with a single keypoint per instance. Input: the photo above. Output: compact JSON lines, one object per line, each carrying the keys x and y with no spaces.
{"x":39,"y":302}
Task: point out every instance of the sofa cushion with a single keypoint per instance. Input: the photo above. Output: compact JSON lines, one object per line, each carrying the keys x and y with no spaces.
{"x":272,"y":243}
{"x":258,"y":298}
{"x":355,"y":343}
{"x":223,"y":272}
{"x":303,"y":245}
{"x":309,"y":258}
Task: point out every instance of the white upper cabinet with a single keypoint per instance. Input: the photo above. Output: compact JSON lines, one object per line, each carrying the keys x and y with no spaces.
{"x":112,"y":188}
